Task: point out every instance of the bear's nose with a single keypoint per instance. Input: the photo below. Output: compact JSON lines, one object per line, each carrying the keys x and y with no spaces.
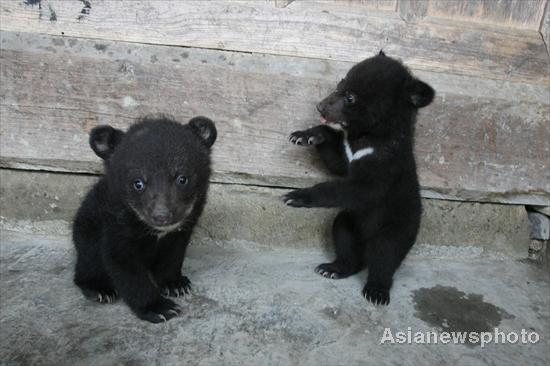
{"x":320,"y":108}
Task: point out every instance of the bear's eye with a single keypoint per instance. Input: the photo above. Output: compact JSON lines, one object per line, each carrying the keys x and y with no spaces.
{"x":349,"y":98}
{"x":139,"y":185}
{"x":181,"y":180}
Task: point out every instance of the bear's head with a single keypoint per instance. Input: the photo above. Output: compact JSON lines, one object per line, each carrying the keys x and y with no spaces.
{"x":159,"y":168}
{"x":378,"y":96}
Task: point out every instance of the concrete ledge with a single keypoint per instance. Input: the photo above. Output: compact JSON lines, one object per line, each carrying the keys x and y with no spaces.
{"x":256,"y":214}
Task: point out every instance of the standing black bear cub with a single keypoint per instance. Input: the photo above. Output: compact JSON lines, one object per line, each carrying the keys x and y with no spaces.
{"x":366,"y":136}
{"x":133,"y":227}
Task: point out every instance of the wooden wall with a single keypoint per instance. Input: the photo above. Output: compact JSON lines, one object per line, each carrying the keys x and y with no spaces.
{"x":258,"y":68}
{"x":525,"y":14}
{"x":512,"y":13}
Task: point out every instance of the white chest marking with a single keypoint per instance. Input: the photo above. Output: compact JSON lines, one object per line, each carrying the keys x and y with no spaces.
{"x":358,"y":154}
{"x":335,"y":126}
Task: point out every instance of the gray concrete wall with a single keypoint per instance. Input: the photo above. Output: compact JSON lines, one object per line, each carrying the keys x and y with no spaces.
{"x":256,"y":214}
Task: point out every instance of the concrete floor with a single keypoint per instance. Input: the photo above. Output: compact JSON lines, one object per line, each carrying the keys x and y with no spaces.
{"x":257,"y":306}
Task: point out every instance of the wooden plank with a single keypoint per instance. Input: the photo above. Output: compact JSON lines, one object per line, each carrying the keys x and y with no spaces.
{"x":525,"y":14}
{"x":382,"y":5}
{"x":282,"y":3}
{"x":303,"y":28}
{"x":412,"y":11}
{"x":545,"y":26}
{"x":480,"y":140}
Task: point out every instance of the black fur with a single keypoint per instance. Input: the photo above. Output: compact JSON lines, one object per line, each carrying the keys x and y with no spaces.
{"x":131,"y":237}
{"x":374,"y":107}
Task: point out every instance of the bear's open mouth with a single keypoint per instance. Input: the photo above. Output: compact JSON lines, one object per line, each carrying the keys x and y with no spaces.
{"x":325,"y":120}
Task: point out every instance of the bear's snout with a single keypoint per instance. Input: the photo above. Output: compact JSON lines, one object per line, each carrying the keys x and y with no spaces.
{"x":161,"y":216}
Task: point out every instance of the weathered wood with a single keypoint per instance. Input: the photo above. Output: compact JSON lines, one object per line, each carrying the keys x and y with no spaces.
{"x":323,"y":30}
{"x":513,"y":13}
{"x":480,"y":140}
{"x":545,"y":26}
{"x":412,"y":11}
{"x":282,"y":3}
{"x":383,"y":5}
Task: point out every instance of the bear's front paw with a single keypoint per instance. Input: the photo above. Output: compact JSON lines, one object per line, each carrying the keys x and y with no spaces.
{"x":298,"y":198}
{"x":103,"y":295}
{"x":161,"y":311}
{"x":376,"y":295}
{"x":177,"y":288}
{"x":333,"y":270}
{"x":306,"y":138}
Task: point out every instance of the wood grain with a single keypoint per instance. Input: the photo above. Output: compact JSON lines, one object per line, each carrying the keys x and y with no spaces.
{"x":383,"y":5}
{"x":412,"y":11}
{"x":480,"y":140}
{"x":324,"y":30}
{"x":513,"y":13}
{"x":282,"y":3}
{"x":545,"y":26}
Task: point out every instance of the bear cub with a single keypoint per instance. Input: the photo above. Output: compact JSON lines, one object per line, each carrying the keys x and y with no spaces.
{"x":366,"y":136}
{"x":133,"y":227}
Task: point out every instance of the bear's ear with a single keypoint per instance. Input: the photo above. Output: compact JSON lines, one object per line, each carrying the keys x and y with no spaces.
{"x":419,"y":93}
{"x":205,"y":129}
{"x":104,"y":139}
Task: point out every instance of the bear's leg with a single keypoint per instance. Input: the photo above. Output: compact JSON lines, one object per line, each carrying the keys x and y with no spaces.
{"x":94,"y":282}
{"x":90,"y":275}
{"x":98,"y":290}
{"x":139,"y":290}
{"x":168,"y":264}
{"x":349,"y":252}
{"x":384,"y":256}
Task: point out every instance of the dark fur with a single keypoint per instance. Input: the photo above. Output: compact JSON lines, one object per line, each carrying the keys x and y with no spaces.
{"x":376,"y":105}
{"x":116,"y":230}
